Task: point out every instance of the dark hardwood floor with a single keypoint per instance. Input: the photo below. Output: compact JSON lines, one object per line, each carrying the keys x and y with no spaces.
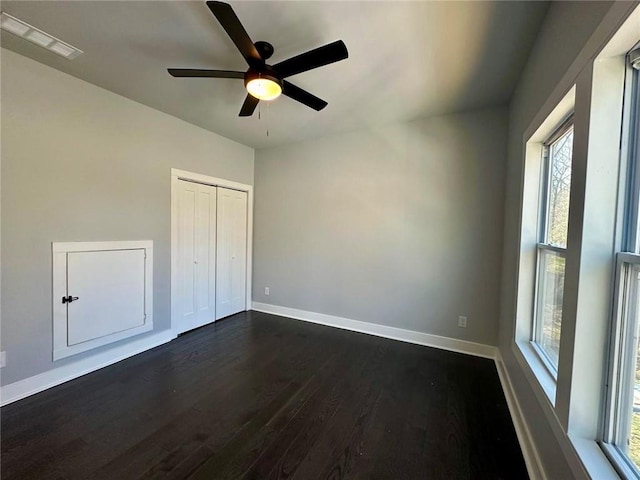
{"x":262,"y":397}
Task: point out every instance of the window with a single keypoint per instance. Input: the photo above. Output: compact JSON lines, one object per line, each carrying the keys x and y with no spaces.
{"x":566,"y":276}
{"x":552,"y":243}
{"x":622,"y":429}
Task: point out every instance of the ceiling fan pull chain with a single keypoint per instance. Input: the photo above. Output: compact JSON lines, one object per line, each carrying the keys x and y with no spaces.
{"x":259,"y":76}
{"x":268,"y":119}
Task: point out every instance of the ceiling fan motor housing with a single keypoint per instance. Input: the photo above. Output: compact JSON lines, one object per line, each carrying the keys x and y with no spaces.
{"x":265,"y":49}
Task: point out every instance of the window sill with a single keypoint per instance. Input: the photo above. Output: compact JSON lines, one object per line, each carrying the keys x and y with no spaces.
{"x":588,"y":457}
{"x":538,"y":368}
{"x":542,"y":356}
{"x":595,"y":461}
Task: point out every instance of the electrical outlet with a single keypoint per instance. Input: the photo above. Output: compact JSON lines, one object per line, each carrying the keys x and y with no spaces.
{"x":462,"y":322}
{"x":3,"y":359}
{"x":266,"y":290}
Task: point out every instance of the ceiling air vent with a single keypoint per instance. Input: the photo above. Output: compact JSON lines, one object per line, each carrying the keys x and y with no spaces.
{"x":37,"y":36}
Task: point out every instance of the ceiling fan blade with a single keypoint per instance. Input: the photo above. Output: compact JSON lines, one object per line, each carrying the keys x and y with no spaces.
{"x":231,"y":24}
{"x":249,"y":106}
{"x":195,"y":73}
{"x":315,"y":58}
{"x":302,"y":96}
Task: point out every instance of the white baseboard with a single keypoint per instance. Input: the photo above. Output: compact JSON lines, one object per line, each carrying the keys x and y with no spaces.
{"x":527,"y":445}
{"x":32,"y":385}
{"x":410,"y":336}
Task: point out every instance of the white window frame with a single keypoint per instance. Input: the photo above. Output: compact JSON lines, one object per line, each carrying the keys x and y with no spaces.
{"x":621,"y":359}
{"x":543,"y":245}
{"x":616,"y":418}
{"x":538,"y":372}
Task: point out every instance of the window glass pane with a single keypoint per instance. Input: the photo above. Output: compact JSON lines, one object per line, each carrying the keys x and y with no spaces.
{"x":549,"y":311}
{"x":634,"y":437}
{"x":629,"y":436}
{"x":633,"y":206}
{"x":560,"y":152}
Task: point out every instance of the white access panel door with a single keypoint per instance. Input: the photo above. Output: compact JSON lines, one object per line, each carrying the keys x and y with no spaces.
{"x":110,"y":291}
{"x":231,"y":263}
{"x":102,"y":293}
{"x":196,"y":255}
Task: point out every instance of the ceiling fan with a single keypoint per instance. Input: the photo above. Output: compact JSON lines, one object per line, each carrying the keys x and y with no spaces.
{"x":262,"y":81}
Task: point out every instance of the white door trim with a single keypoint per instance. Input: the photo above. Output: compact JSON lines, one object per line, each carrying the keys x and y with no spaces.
{"x":176,"y":175}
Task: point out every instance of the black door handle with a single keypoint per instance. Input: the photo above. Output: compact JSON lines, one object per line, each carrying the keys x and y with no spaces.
{"x":69,"y":299}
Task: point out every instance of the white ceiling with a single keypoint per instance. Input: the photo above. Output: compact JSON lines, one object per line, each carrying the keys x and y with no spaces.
{"x":406,"y":59}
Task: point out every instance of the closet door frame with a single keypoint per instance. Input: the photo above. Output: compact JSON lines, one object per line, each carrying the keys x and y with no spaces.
{"x":176,"y":175}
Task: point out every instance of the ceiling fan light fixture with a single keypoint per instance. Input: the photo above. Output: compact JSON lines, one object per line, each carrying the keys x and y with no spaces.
{"x":263,"y":87}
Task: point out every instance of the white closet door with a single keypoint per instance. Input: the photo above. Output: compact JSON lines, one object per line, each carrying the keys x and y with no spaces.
{"x":196,"y":254}
{"x":231,"y":259}
{"x":206,"y":254}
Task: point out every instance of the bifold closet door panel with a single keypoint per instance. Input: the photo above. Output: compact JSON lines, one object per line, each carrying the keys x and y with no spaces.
{"x":187,"y":196}
{"x":239,"y":253}
{"x":205,"y":259}
{"x":231,"y":257}
{"x":196,"y":254}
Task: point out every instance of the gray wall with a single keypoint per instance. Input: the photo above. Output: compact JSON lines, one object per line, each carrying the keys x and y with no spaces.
{"x":567,"y":27}
{"x":80,"y":163}
{"x":400,"y":226}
